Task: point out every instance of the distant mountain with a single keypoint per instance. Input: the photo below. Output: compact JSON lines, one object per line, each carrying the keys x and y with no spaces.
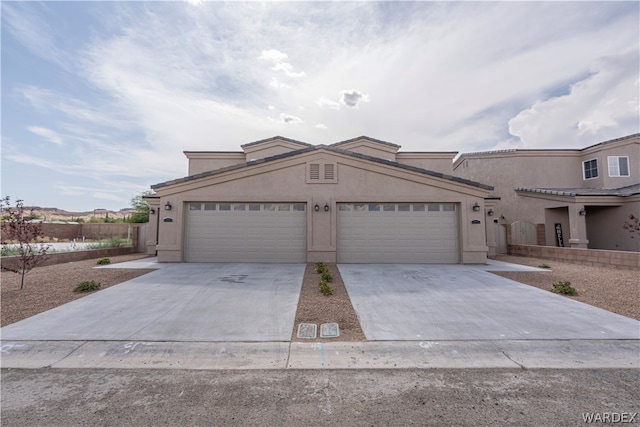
{"x":53,"y":214}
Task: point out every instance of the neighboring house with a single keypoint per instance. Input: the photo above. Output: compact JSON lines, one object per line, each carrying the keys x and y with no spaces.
{"x":281,"y":200}
{"x":574,"y":198}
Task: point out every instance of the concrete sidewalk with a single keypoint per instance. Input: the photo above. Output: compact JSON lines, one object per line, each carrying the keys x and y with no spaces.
{"x":573,"y":354}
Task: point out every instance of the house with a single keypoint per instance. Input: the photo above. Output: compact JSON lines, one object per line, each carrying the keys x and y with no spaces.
{"x":557,"y":197}
{"x":356,"y":201}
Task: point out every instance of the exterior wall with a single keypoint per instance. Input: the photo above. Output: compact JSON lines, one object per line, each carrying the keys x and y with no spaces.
{"x":268,"y":151}
{"x":555,"y":216}
{"x":595,"y":257}
{"x":284,"y":181}
{"x":438,"y":162}
{"x":626,"y":147}
{"x":507,"y":171}
{"x":205,"y":162}
{"x":604,"y":227}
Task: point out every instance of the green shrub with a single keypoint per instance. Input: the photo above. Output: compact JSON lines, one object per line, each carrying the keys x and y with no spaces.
{"x":321,"y":268}
{"x":564,"y":288}
{"x":327,"y":277}
{"x":325,"y":288}
{"x":544,"y":266}
{"x":87,"y":286}
{"x":103,"y":261}
{"x":111,"y":242}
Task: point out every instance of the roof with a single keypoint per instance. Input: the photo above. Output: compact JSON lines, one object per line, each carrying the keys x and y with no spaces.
{"x":275,"y":138}
{"x":551,"y":150}
{"x":629,"y":190}
{"x":331,"y":148}
{"x":366,"y":138}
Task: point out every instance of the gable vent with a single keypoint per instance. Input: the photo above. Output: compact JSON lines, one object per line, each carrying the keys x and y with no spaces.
{"x":328,"y":171}
{"x":314,"y":171}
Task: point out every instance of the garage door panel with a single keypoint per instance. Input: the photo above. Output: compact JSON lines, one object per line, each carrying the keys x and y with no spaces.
{"x":271,"y":234}
{"x":398,"y":232}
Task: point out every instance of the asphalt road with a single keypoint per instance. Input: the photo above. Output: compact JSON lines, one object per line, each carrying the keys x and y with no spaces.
{"x":108,"y":397}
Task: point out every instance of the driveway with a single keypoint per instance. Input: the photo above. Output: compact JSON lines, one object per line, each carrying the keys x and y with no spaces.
{"x":457,"y":302}
{"x":179,"y":302}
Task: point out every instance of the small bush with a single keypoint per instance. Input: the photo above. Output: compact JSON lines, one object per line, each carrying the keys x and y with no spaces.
{"x":103,"y":261}
{"x":87,"y":286}
{"x":325,"y":288}
{"x":564,"y":288}
{"x":321,"y":268}
{"x":544,"y":266}
{"x":327,"y":277}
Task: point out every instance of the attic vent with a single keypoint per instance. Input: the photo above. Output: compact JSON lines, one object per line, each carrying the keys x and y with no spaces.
{"x":322,"y":172}
{"x":328,"y":171}
{"x":314,"y":171}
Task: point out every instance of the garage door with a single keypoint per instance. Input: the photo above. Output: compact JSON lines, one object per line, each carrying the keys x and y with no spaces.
{"x":398,"y":232}
{"x":246,"y":232}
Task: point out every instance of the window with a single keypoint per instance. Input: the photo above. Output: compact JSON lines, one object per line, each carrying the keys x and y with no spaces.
{"x":239,"y":207}
{"x":374,"y":207}
{"x":404,"y":207}
{"x":195,"y":206}
{"x":418,"y":207}
{"x":433,"y":207}
{"x":209,"y":206}
{"x":449,"y":207}
{"x":225,"y":206}
{"x":299,"y":207}
{"x":618,"y":165}
{"x":590,"y":169}
{"x":254,"y":206}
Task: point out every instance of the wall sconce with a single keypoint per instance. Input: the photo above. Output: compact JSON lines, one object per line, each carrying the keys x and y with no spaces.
{"x":502,"y":217}
{"x":316,"y":207}
{"x":476,"y":207}
{"x":167,"y":206}
{"x":582,"y":212}
{"x":152,"y":211}
{"x":490,"y":212}
{"x":326,"y":207}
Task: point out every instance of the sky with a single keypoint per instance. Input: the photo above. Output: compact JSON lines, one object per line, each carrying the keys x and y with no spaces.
{"x":100,"y":99}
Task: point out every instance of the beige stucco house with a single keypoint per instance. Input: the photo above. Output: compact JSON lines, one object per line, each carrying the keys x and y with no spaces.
{"x":557,"y":197}
{"x":360,"y":200}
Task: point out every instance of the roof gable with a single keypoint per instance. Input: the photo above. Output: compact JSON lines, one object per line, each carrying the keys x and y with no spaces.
{"x":276,"y":141}
{"x":329,"y":150}
{"x":360,"y":142}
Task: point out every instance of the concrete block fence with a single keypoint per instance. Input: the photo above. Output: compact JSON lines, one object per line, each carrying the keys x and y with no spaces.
{"x":595,"y":257}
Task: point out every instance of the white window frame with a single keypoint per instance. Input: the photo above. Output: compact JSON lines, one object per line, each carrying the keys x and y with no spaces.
{"x":584,"y":175}
{"x":617,"y":166}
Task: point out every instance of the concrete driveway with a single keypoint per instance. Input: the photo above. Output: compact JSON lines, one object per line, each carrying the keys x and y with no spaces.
{"x":179,"y":302}
{"x":457,"y":302}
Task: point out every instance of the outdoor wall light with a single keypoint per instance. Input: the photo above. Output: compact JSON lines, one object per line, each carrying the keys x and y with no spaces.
{"x":316,"y":207}
{"x":490,"y":212}
{"x":476,"y":207}
{"x":582,"y":212}
{"x":152,"y":211}
{"x":326,"y":207}
{"x":167,"y":206}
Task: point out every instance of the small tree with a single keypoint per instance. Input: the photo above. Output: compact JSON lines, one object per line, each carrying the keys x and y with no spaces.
{"x":20,"y":234}
{"x":141,"y":207}
{"x":632,"y":225}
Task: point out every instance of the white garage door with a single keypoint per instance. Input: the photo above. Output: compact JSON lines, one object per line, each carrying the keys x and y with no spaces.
{"x":398,"y":232}
{"x":246,"y":232}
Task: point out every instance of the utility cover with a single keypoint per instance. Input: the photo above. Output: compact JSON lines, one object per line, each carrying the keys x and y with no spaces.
{"x":307,"y":330}
{"x":329,"y":330}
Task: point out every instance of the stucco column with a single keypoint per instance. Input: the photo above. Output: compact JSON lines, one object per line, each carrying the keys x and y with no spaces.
{"x":577,"y":227}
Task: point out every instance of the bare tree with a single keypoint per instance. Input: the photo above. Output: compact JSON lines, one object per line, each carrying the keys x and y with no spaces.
{"x":632,"y":225}
{"x":22,"y":235}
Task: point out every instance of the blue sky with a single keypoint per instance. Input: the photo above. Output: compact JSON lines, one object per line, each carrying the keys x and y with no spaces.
{"x":100,"y":99}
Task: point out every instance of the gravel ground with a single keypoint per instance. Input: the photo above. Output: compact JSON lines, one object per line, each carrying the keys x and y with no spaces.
{"x":47,"y":287}
{"x":613,"y":289}
{"x":315,"y":307}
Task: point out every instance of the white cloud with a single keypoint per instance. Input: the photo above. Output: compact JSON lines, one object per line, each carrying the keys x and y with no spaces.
{"x":324,"y":102}
{"x":321,"y":126}
{"x":288,"y":118}
{"x":280,"y":63}
{"x":108,"y":196}
{"x":596,"y":108}
{"x":48,"y":134}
